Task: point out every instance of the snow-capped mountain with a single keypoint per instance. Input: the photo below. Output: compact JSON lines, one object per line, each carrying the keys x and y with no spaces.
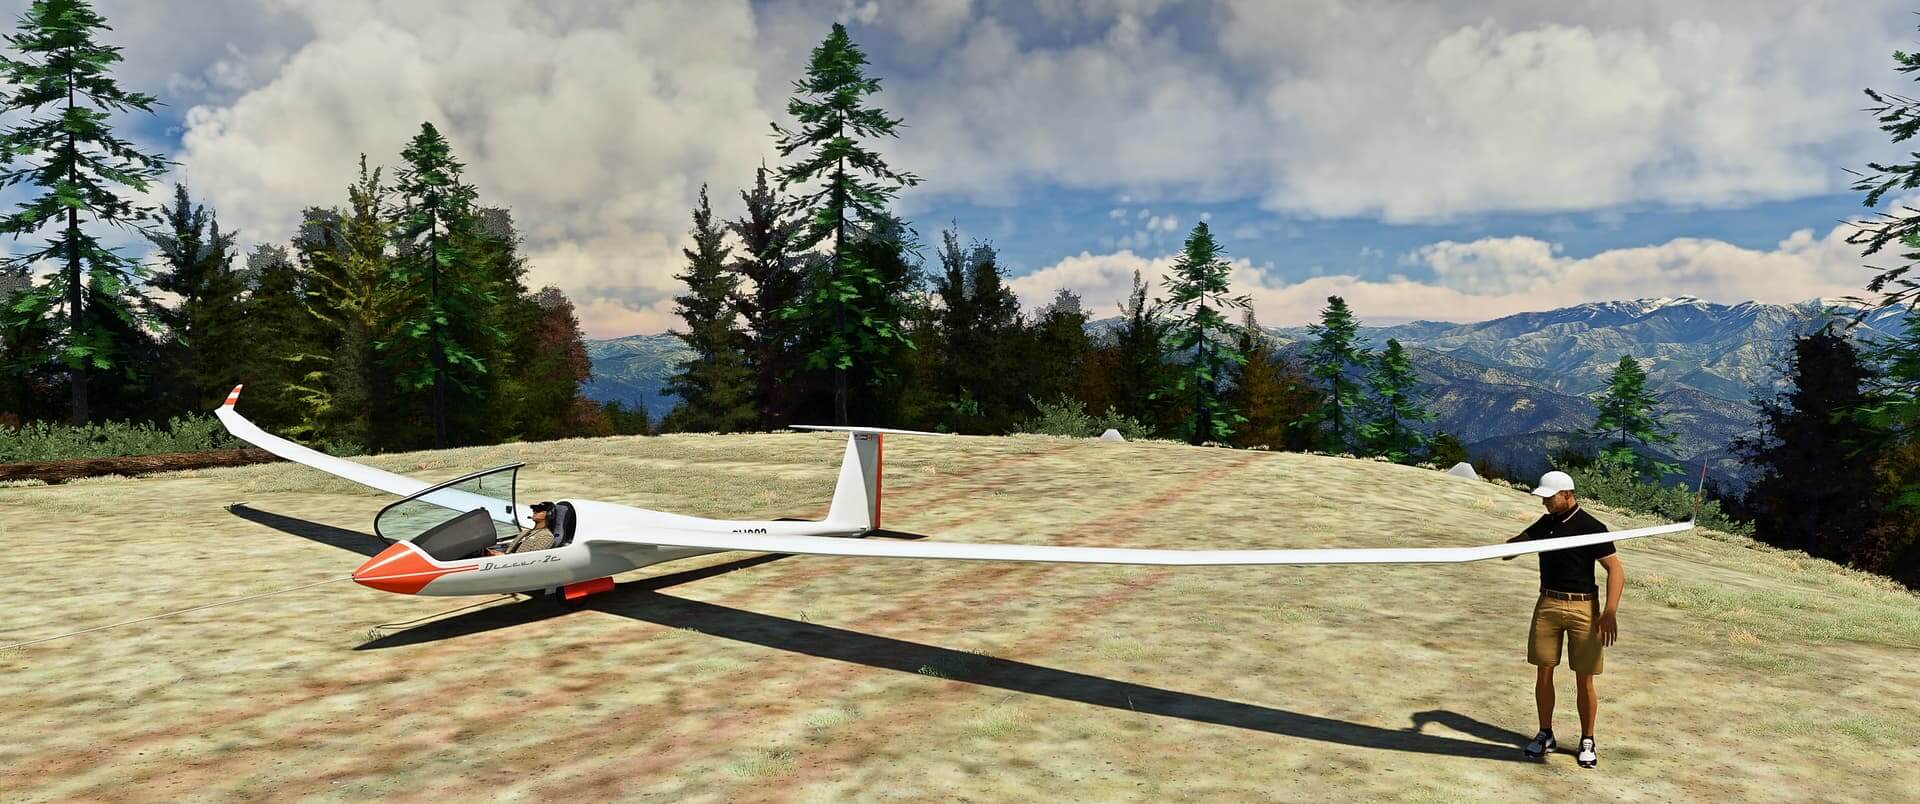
{"x":1728,"y":351}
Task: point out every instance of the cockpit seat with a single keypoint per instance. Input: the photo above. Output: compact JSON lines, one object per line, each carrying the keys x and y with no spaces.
{"x":561,"y":523}
{"x":460,"y":537}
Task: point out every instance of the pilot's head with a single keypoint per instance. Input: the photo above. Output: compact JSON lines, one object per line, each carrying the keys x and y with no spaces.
{"x":541,"y":510}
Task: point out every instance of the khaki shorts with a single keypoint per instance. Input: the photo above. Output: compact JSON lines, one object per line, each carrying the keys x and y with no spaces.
{"x":1574,"y":618}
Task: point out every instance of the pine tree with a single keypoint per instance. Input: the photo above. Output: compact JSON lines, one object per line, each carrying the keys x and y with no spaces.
{"x":1894,"y":397}
{"x":1446,"y":450}
{"x":1140,"y":374}
{"x":1394,"y":409}
{"x":1335,"y":351}
{"x":348,"y":286}
{"x":1198,"y":287}
{"x":776,"y":281}
{"x":978,"y":326}
{"x":281,"y":329}
{"x":81,"y":316}
{"x":890,"y":252}
{"x":444,"y":322}
{"x":1053,"y":356}
{"x":1258,"y":390}
{"x":836,"y":316}
{"x":1626,"y":416}
{"x":1814,"y":487}
{"x":715,"y":387}
{"x":208,"y":326}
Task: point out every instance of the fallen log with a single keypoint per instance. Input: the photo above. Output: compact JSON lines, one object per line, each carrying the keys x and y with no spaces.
{"x":74,"y":469}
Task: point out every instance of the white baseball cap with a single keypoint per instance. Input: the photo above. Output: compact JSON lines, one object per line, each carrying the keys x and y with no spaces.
{"x":1553,"y":483}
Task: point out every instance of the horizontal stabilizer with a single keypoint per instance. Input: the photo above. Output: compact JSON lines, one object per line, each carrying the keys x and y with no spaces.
{"x":863,"y":430}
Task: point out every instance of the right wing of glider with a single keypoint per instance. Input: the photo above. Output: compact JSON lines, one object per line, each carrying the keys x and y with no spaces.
{"x":829,"y":546}
{"x":339,"y":467}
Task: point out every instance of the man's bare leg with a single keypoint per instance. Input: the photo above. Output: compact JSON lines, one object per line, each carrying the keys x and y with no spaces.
{"x":1588,"y":701}
{"x":1543,"y":696}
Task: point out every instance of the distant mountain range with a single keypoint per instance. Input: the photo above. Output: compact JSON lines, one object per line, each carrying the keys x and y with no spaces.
{"x":633,"y":369}
{"x":1512,"y":388}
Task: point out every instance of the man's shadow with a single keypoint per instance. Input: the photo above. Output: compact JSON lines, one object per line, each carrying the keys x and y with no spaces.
{"x":641,"y":600}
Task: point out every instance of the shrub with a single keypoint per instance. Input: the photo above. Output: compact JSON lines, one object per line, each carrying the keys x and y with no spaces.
{"x":1617,"y":486}
{"x":46,"y":441}
{"x":1069,"y":417}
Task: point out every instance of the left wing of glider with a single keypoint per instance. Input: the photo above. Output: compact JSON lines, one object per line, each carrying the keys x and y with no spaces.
{"x":829,"y":546}
{"x":340,"y":467}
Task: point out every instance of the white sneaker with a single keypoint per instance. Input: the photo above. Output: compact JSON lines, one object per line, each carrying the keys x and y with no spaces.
{"x":1589,"y":756}
{"x":1542,"y":744}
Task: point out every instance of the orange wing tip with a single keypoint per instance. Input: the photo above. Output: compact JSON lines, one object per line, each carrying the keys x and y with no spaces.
{"x":234,"y":396}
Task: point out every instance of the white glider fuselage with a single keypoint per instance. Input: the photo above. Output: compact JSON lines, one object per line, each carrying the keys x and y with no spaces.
{"x":611,"y":540}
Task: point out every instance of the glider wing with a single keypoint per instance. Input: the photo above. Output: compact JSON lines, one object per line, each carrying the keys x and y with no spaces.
{"x":339,"y":467}
{"x":452,"y":499}
{"x":829,"y":546}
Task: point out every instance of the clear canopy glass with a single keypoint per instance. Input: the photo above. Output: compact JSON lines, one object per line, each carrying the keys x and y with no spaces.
{"x":491,"y":491}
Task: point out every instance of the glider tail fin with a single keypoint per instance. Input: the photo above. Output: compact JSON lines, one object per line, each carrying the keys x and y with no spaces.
{"x":856,"y":498}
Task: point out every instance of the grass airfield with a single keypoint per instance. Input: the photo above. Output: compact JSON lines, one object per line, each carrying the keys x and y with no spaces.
{"x":1742,"y":673}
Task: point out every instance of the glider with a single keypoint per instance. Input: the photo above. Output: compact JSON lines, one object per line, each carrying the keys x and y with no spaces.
{"x":441,"y":532}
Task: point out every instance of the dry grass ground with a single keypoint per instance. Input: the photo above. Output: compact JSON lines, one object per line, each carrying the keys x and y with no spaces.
{"x":1742,"y":673}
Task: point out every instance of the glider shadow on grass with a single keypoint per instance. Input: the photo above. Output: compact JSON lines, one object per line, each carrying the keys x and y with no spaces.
{"x":641,"y":600}
{"x":350,"y":540}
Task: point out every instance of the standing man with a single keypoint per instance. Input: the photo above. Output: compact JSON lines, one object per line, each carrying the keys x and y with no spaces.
{"x":1569,"y":604}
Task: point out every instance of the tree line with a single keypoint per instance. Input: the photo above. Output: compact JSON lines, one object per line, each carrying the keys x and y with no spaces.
{"x":824,"y":308}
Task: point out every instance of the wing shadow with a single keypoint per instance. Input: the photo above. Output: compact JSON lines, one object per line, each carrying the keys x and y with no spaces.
{"x":641,"y":601}
{"x":350,"y":540}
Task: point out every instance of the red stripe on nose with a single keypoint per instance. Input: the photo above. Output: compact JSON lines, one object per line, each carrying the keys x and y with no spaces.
{"x":401,"y":568}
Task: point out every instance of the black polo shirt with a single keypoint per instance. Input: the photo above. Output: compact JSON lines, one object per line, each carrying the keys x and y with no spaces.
{"x":1569,"y":569}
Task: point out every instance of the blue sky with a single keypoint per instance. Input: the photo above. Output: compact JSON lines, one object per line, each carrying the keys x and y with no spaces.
{"x":1456,"y":161}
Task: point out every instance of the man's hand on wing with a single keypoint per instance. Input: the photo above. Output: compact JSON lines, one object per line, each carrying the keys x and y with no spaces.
{"x":1520,"y":537}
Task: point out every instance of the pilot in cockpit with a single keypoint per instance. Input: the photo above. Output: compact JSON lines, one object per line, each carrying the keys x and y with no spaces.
{"x":537,"y":537}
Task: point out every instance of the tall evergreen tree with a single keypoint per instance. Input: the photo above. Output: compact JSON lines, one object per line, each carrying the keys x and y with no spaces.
{"x":1335,"y":352}
{"x":1814,"y":488}
{"x":1894,"y":398}
{"x":1198,"y":296}
{"x":82,"y":314}
{"x":1140,"y":374}
{"x":348,"y":286}
{"x":836,"y":314}
{"x":1053,"y":357}
{"x":444,"y":323}
{"x":280,"y":329}
{"x":1626,"y":417}
{"x":715,"y":387}
{"x":1277,"y":397}
{"x":978,"y":323}
{"x":775,"y":279}
{"x":208,"y":325}
{"x":1395,"y":410}
{"x":890,"y":252}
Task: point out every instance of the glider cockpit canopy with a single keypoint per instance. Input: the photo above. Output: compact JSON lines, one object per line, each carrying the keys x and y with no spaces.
{"x":477,"y":508}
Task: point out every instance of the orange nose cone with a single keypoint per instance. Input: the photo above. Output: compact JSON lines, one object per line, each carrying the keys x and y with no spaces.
{"x":400,"y":568}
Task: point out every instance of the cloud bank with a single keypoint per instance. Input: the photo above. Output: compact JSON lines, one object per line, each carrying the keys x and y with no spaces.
{"x":1494,"y":277}
{"x":596,"y":121}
